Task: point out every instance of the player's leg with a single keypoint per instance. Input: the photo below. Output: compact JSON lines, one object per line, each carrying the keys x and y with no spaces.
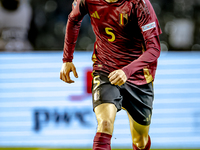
{"x":105,"y":114}
{"x":140,"y":135}
{"x":138,"y":101}
{"x":106,"y":102}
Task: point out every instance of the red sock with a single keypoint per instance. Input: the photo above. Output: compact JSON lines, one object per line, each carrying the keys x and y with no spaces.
{"x":147,"y":147}
{"x":102,"y":141}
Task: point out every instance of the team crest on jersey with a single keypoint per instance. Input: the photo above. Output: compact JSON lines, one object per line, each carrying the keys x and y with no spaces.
{"x":123,"y":19}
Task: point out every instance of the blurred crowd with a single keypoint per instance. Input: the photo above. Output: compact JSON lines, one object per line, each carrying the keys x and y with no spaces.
{"x":27,"y":25}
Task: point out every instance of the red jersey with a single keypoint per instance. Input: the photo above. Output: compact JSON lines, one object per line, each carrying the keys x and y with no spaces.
{"x":126,"y":37}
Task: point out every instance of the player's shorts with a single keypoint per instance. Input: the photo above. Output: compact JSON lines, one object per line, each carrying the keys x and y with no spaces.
{"x":136,"y":99}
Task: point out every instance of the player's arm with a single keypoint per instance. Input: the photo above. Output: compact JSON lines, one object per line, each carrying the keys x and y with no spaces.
{"x":119,"y":77}
{"x":72,"y":30}
{"x":150,"y":29}
{"x":147,"y":21}
{"x":149,"y":56}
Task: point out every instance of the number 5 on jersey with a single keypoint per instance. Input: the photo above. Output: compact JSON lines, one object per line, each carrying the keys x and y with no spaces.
{"x":96,"y":82}
{"x":109,"y":32}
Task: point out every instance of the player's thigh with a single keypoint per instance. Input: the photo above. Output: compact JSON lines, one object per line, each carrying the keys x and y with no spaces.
{"x":138,"y":129}
{"x":107,"y":100}
{"x":105,"y":111}
{"x":138,"y":101}
{"x":105,"y":115}
{"x":139,"y":133}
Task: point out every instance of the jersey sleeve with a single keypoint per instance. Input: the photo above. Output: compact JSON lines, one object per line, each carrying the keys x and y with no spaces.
{"x":149,"y":56}
{"x":79,"y":10}
{"x":147,"y":19}
{"x":150,"y":30}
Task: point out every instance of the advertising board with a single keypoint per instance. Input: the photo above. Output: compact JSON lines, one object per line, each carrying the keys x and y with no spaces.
{"x":37,"y":109}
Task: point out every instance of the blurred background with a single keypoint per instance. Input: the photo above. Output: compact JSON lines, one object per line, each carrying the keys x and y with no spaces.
{"x":40,"y":25}
{"x":39,"y":111}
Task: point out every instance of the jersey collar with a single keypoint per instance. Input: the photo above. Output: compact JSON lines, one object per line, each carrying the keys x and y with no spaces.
{"x":117,"y":3}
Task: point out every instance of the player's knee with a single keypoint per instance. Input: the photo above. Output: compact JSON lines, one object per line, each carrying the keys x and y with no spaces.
{"x":106,"y":125}
{"x":140,"y":141}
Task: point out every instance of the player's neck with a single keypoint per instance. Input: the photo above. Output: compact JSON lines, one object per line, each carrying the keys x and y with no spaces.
{"x":111,"y":1}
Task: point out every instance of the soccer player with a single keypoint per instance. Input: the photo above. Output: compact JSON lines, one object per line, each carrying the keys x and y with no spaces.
{"x":125,"y":60}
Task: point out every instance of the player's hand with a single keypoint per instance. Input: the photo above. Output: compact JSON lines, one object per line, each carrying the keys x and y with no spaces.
{"x":65,"y":72}
{"x":117,"y":77}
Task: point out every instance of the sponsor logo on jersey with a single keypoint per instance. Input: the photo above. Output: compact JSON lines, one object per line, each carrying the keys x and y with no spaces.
{"x":123,"y":19}
{"x":95,"y":15}
{"x":148,"y":26}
